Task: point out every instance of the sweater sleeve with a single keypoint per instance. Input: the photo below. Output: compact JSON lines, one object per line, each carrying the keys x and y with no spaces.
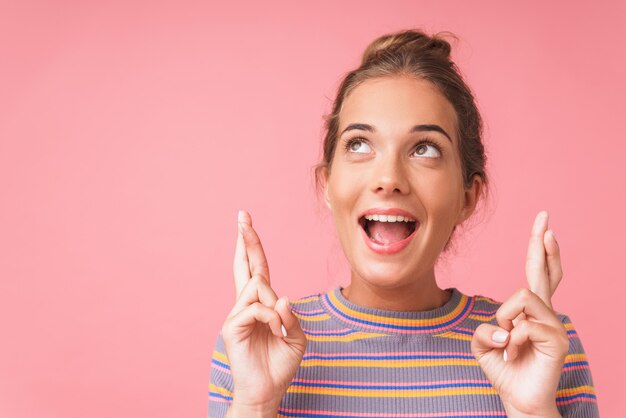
{"x":576,"y":395}
{"x":221,"y":383}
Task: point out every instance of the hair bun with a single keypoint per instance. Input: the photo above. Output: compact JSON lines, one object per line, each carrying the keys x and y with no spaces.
{"x":409,"y":41}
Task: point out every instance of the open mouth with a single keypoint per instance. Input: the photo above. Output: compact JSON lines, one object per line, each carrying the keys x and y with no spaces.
{"x":387,"y":229}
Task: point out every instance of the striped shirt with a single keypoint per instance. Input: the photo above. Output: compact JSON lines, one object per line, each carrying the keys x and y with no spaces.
{"x":365,"y":362}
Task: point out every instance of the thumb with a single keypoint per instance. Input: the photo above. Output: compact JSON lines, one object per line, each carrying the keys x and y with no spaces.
{"x":486,"y":338}
{"x":295,"y":335}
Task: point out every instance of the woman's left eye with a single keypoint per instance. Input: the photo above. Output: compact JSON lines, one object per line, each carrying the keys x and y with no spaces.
{"x":427,"y":149}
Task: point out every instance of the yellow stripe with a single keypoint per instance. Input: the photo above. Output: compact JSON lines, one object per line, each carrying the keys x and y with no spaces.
{"x":575,"y":357}
{"x":397,"y":393}
{"x":304,"y":300}
{"x":486,"y":299}
{"x":388,"y":364}
{"x":481,"y":318}
{"x":220,"y":390}
{"x":398,"y":321}
{"x":575,"y":391}
{"x":220,"y":357}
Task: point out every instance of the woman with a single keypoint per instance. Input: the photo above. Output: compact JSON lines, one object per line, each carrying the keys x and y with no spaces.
{"x":403,"y":165}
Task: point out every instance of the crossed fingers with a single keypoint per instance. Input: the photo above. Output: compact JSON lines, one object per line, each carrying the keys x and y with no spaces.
{"x":543,"y":260}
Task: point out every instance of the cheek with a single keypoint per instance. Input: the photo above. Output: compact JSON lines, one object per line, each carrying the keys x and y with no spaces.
{"x":343,"y":189}
{"x":442,"y":194}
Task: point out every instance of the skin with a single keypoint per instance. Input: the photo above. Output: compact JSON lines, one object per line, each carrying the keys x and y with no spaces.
{"x":388,"y":172}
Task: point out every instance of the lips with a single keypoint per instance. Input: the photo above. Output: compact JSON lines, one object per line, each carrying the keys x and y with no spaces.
{"x":388,"y":230}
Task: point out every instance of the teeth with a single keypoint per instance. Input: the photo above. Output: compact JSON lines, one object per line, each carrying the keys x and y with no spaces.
{"x":388,"y":218}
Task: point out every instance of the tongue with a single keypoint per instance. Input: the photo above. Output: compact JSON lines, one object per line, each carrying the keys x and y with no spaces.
{"x":388,"y":232}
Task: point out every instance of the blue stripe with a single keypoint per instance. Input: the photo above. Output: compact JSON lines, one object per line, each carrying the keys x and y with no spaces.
{"x":576,"y":363}
{"x":219,"y":395}
{"x":580,"y":395}
{"x":393,"y":326}
{"x":439,"y":386}
{"x":219,"y":363}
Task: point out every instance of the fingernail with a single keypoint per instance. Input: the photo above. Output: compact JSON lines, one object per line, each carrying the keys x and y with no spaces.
{"x":240,"y":216}
{"x":506,"y":356}
{"x":499,"y":336}
{"x":282,"y":328}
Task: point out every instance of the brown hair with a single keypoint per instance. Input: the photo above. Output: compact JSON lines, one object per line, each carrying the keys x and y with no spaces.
{"x":412,"y":53}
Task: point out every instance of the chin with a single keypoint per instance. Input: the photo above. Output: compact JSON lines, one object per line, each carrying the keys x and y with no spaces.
{"x":383,"y":275}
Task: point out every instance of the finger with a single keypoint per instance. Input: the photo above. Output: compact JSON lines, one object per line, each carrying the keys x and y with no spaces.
{"x":486,"y":338}
{"x":524,"y":300}
{"x":519,"y":317}
{"x":241,"y":272}
{"x":550,"y":340}
{"x":553,"y":258}
{"x":256,"y":290}
{"x":252,"y":314}
{"x":536,"y":267}
{"x":256,"y":256}
{"x":293,"y":331}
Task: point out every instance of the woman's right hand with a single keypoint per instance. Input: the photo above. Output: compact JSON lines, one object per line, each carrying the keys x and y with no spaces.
{"x":263,"y":361}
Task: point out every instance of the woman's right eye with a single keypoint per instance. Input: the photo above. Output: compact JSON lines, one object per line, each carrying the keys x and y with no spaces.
{"x":358,"y":146}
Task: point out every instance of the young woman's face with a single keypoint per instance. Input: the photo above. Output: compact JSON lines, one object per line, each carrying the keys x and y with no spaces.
{"x":396,"y":155}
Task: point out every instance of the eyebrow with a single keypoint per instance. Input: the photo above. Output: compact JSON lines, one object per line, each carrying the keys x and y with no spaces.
{"x":416,"y":128}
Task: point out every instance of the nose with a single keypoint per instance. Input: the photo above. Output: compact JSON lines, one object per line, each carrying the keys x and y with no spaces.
{"x":389,"y":176}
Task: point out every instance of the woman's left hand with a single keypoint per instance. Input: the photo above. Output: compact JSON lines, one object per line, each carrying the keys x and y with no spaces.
{"x":525,"y":367}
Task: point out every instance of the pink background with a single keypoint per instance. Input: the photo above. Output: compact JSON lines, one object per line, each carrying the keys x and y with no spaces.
{"x":132,"y":131}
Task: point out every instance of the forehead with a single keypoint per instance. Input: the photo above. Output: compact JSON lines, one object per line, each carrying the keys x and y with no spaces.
{"x":395,"y":104}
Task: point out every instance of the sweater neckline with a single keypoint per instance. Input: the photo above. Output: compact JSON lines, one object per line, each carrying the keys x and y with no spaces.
{"x":373,"y":320}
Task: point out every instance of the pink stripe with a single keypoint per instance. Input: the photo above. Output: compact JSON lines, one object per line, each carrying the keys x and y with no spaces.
{"x":477,"y":311}
{"x":340,"y":382}
{"x":218,"y":399}
{"x":317,"y":332}
{"x":463,"y":329}
{"x":220,"y":368}
{"x":317,"y":312}
{"x":378,"y":414}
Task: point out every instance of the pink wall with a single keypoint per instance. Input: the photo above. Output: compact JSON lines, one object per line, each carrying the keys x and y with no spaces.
{"x":131,"y":133}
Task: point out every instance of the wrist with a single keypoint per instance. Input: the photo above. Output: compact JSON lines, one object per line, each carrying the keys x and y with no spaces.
{"x":548,"y":412}
{"x":237,"y":409}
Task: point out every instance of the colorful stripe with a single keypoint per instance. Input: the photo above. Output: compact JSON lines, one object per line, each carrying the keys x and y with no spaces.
{"x":370,"y":363}
{"x":311,"y":413}
{"x":395,"y":324}
{"x":392,"y":390}
{"x":389,"y":360}
{"x":580,"y":393}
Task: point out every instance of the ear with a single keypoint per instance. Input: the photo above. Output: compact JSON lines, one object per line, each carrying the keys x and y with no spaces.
{"x":471,"y":198}
{"x":323,"y":176}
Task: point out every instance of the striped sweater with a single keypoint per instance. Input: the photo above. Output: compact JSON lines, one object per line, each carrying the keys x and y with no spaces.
{"x":364,"y":362}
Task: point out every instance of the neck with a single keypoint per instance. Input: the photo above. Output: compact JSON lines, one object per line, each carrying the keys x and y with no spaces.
{"x":420,"y":295}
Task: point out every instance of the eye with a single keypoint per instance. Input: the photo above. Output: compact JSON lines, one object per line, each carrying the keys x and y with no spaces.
{"x":357,"y":145}
{"x":427,"y":149}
